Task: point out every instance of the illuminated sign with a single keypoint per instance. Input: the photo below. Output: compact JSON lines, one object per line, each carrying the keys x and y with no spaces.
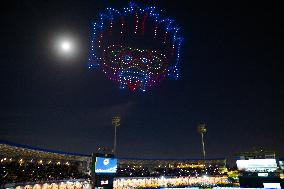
{"x":271,"y":185}
{"x":262,"y":174}
{"x":105,"y":165}
{"x":257,"y":165}
{"x":103,"y":182}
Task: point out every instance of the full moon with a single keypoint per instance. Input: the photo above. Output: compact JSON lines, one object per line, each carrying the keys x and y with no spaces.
{"x":66,"y":46}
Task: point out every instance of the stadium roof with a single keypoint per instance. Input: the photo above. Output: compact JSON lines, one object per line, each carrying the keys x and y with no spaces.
{"x":11,"y":149}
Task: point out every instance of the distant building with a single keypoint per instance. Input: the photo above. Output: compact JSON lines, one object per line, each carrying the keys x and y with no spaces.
{"x":171,"y":163}
{"x":281,"y":163}
{"x":261,"y":154}
{"x":258,"y":168}
{"x":170,"y":167}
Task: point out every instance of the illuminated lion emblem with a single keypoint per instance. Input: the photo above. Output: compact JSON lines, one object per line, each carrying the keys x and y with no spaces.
{"x":106,"y":161}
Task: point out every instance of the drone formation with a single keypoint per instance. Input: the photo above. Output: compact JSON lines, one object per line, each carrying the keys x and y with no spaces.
{"x":136,"y":48}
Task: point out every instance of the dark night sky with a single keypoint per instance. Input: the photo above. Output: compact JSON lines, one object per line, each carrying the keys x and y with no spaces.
{"x":231,"y":79}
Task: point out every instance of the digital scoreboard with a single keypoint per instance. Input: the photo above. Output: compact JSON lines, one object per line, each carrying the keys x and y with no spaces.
{"x":104,"y":167}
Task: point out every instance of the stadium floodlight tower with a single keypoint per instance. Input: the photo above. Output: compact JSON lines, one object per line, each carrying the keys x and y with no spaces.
{"x":202,"y":130}
{"x":115,"y":122}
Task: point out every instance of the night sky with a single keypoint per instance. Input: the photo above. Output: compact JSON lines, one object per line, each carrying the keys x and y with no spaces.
{"x":231,"y":79}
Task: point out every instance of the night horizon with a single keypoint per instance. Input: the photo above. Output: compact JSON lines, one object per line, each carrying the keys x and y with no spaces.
{"x":230,"y":79}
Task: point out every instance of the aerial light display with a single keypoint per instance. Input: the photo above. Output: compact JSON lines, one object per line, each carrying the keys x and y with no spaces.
{"x":135,"y":47}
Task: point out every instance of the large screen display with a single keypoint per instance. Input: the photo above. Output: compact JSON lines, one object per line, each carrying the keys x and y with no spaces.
{"x":105,"y":165}
{"x":257,"y":165}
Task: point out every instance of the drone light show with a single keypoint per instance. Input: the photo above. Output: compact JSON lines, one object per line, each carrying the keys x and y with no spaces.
{"x":135,"y":47}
